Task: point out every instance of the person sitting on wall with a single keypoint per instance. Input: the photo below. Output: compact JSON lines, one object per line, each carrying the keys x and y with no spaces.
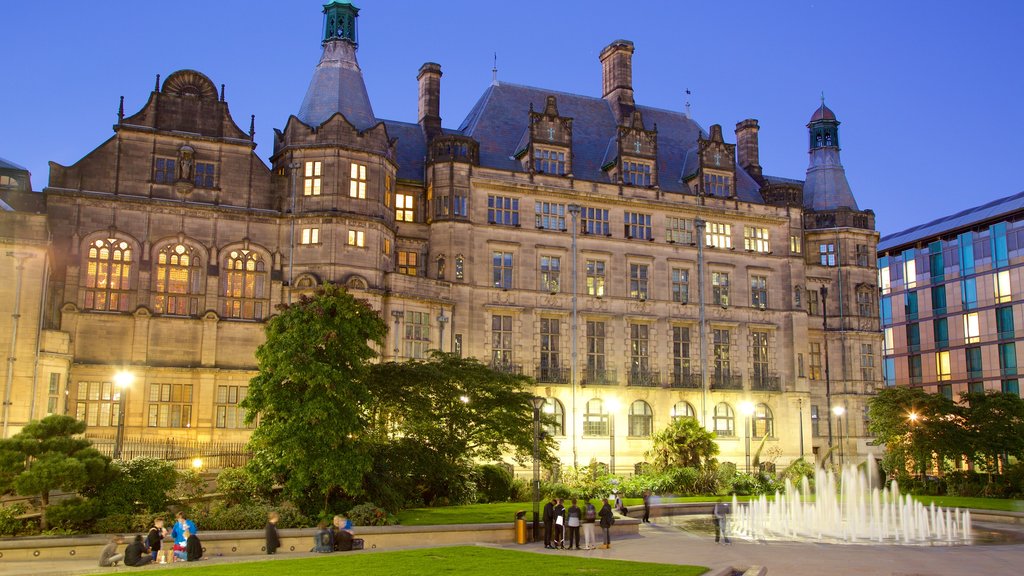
{"x":109,"y":556}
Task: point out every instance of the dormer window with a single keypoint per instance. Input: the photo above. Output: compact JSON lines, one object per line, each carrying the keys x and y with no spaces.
{"x":549,"y":161}
{"x":636,"y":173}
{"x":717,"y":184}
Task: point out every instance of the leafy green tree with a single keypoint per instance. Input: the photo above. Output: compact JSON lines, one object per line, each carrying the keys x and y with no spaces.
{"x":138,"y":485}
{"x":917,"y":428}
{"x":308,"y":397}
{"x":994,"y":428}
{"x":683,"y":443}
{"x":49,"y":455}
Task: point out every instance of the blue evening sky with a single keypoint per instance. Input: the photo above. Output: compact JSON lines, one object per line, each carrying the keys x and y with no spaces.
{"x":928,"y":92}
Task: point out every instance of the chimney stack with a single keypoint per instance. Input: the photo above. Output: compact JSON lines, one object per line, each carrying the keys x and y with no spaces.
{"x":617,"y":78}
{"x":746,"y":148}
{"x":430,"y":99}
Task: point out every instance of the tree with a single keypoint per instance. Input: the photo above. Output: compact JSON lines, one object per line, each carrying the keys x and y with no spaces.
{"x":917,"y":428}
{"x":47,"y":455}
{"x":451,"y":411}
{"x":684,"y":443}
{"x":308,"y":397}
{"x":140,"y":484}
{"x":994,"y":426}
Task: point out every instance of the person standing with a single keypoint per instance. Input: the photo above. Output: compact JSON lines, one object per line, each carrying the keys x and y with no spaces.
{"x":647,"y":506}
{"x":155,"y":539}
{"x":136,"y":553}
{"x":589,"y":517}
{"x":109,"y":556}
{"x":559,"y":541}
{"x":573,"y":516}
{"x":720,"y":514}
{"x":272,"y":537}
{"x":607,"y":519}
{"x":549,"y":522}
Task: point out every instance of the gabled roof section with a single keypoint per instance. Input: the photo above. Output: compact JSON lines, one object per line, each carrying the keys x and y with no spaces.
{"x":961,"y":220}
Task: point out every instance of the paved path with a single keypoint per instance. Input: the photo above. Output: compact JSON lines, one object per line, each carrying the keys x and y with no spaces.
{"x":669,"y":545}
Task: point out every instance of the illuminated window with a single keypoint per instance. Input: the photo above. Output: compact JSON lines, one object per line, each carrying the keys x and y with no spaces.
{"x":228,"y":407}
{"x":638,"y":281}
{"x":683,"y":410}
{"x":460,"y":268}
{"x":310,"y":235}
{"x":755,"y":239}
{"x":717,"y":185}
{"x":385,"y":246}
{"x":108,"y":275}
{"x":884,"y":280}
{"x":1002,"y":286}
{"x":550,"y":216}
{"x":827,"y":254}
{"x":638,"y":226}
{"x":887,"y":341}
{"x":311,"y":179}
{"x":407,"y":262}
{"x":679,"y":230}
{"x":636,"y":173}
{"x":641,"y":419}
{"x":177,"y":285}
{"x":972,"y":330}
{"x":814,"y":361}
{"x":417,"y":334}
{"x":357,"y":181}
{"x":942,"y":370}
{"x":763,"y":422}
{"x":404,"y":208}
{"x":909,"y":269}
{"x":718,"y":235}
{"x":680,"y":285}
{"x":555,"y":416}
{"x":796,"y":245}
{"x":720,"y":288}
{"x":595,"y":278}
{"x":549,"y":161}
{"x":170,"y":406}
{"x":98,"y":403}
{"x":595,"y":419}
{"x":356,"y":238}
{"x":244,"y":285}
{"x":724,"y":420}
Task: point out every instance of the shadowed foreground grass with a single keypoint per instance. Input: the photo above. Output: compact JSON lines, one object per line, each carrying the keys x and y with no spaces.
{"x":467,"y":560}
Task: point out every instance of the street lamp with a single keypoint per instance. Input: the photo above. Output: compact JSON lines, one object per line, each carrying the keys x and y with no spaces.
{"x":197,"y":464}
{"x":574,"y":211}
{"x":537,"y":402}
{"x":122,"y":380}
{"x":839,"y":411}
{"x":747,"y":409}
{"x":613,"y":406}
{"x":828,"y":378}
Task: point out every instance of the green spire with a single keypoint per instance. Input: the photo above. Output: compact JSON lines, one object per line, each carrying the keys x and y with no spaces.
{"x":340,"y":21}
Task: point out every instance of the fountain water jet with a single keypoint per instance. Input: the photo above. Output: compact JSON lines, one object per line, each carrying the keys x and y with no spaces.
{"x":849,"y":509}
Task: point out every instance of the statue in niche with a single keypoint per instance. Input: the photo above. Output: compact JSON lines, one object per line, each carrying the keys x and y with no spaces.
{"x":185,"y":163}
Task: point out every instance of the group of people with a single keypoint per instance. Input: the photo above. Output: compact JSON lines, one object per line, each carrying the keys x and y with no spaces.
{"x":338,"y":537}
{"x":562,"y":524}
{"x":141,"y":551}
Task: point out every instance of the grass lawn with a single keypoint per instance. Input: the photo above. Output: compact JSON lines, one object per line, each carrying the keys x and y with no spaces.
{"x":981,"y":503}
{"x":453,"y":560}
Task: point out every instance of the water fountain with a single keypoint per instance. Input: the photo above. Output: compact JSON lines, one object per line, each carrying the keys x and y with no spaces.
{"x":849,"y":511}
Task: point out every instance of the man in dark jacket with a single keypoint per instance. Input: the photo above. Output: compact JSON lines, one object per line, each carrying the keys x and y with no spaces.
{"x":607,"y":519}
{"x":193,"y":548}
{"x":273,"y":541}
{"x":559,"y":511}
{"x":136,"y":553}
{"x":549,"y":522}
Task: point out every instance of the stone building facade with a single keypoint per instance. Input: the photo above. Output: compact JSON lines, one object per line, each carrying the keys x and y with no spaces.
{"x":639,"y":267}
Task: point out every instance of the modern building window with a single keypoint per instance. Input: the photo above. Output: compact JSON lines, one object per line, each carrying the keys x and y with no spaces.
{"x":720,"y":348}
{"x":680,"y":353}
{"x":595,"y":351}
{"x":1001,"y":282}
{"x":204,"y":176}
{"x":867,"y":362}
{"x":550,"y":349}
{"x":501,"y":269}
{"x":595,"y":419}
{"x":170,"y":406}
{"x":866,"y":302}
{"x":245,"y":285}
{"x":683,"y":409}
{"x":972,"y":329}
{"x":1004,"y":322}
{"x":639,"y":352}
{"x":164,"y":171}
{"x":914,"y":337}
{"x":755,"y":239}
{"x":595,"y":278}
{"x":641,"y":419}
{"x":718,"y":235}
{"x":759,"y":356}
{"x":679,"y":230}
{"x":940,"y":332}
{"x":969,"y":293}
{"x":357,"y":238}
{"x":914,"y":368}
{"x":550,"y":216}
{"x":109,"y":267}
{"x":910,"y":305}
{"x":939,"y":299}
{"x":889,"y":371}
{"x":942,"y":366}
{"x":680,"y":285}
{"x":595,"y":221}
{"x":946,"y":390}
{"x":1011,"y":386}
{"x":228,"y":407}
{"x":974,"y":366}
{"x":503,"y":210}
{"x":636,"y":173}
{"x":408,"y":263}
{"x":310,"y":236}
{"x":909,"y":269}
{"x":501,"y":340}
{"x":965,"y":243}
{"x":717,"y":185}
{"x":311,"y":178}
{"x":724,"y":420}
{"x":796,"y":245}
{"x":759,"y":292}
{"x":1007,"y":359}
{"x":997,"y":237}
{"x":638,"y":281}
{"x":549,"y":161}
{"x":97,"y":403}
{"x":936,"y":262}
{"x":417,"y":334}
{"x":404,"y":208}
{"x":357,"y":181}
{"x":554,"y":413}
{"x":827,"y":254}
{"x":720,"y":288}
{"x":178,"y":281}
{"x":887,"y":340}
{"x":814,"y":361}
{"x":638,"y":226}
{"x":550,"y":271}
{"x":763,"y":423}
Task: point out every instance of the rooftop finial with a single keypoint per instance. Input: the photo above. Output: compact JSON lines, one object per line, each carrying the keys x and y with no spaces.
{"x":221,"y":92}
{"x":688,"y":103}
{"x":120,"y":111}
{"x":252,"y":127}
{"x":157,"y":87}
{"x":494,"y":71}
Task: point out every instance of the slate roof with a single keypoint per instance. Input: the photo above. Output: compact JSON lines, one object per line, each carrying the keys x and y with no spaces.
{"x":826,"y":187}
{"x":8,"y":165}
{"x":337,"y":86}
{"x":963,"y":219}
{"x":411,"y":148}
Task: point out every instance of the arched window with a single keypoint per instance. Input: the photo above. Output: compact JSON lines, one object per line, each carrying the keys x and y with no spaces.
{"x":595,"y":419}
{"x":725,"y":420}
{"x":641,"y":419}
{"x":177,"y":282}
{"x":553,"y":410}
{"x":244,"y":285}
{"x":683,"y":410}
{"x":764,"y":422}
{"x":108,"y":275}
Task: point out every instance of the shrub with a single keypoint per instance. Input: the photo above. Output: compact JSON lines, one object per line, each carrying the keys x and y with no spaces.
{"x":74,"y":514}
{"x":124,"y":523}
{"x":369,"y":514}
{"x":797,"y":471}
{"x":521,"y":490}
{"x":188,"y":486}
{"x":10,"y":524}
{"x":138,"y":485}
{"x":555,"y":490}
{"x":238,"y":486}
{"x":249,"y":517}
{"x":493,"y":483}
